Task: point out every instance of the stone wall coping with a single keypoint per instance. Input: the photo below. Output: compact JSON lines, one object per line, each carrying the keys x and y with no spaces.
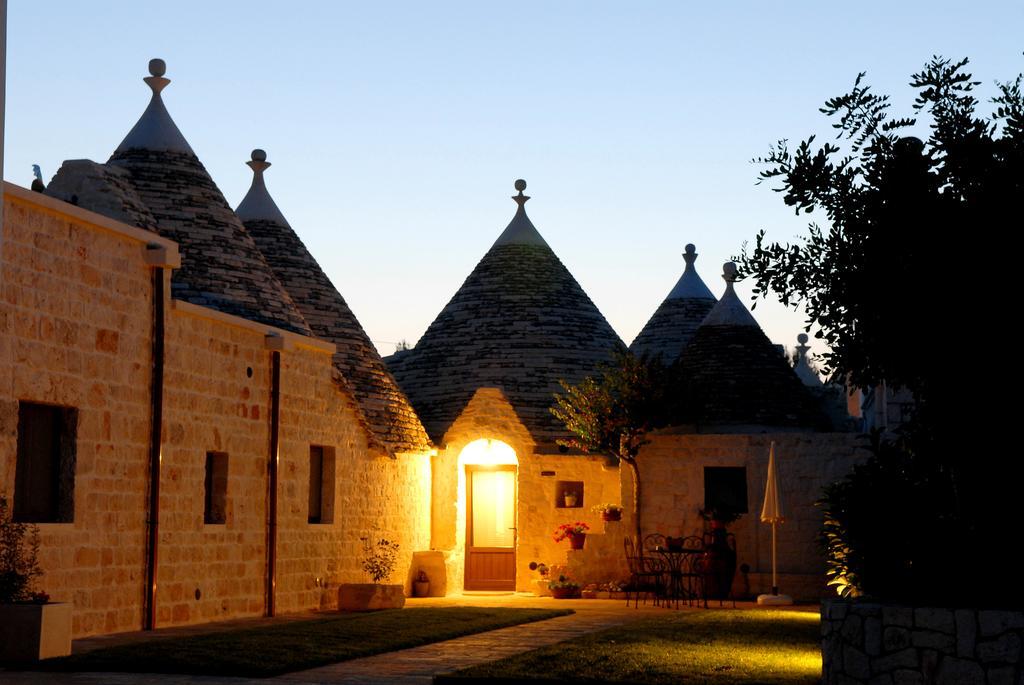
{"x":277,"y":338}
{"x":52,"y":205}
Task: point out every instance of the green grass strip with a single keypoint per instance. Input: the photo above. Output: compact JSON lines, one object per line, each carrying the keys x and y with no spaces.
{"x":711,"y":647}
{"x":275,"y":649}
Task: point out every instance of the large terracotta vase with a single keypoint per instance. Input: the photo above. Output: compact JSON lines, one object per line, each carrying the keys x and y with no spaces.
{"x":576,"y":540}
{"x":719,"y":564}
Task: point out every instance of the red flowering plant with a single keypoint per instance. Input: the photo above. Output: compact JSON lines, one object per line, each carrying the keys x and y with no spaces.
{"x":567,"y":530}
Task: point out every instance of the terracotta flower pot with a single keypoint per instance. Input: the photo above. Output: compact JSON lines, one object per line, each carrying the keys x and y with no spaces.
{"x":576,"y":540}
{"x":564,"y":592}
{"x":615,"y":515}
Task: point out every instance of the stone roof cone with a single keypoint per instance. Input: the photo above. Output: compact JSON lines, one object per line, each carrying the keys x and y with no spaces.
{"x":736,"y":377}
{"x":520,"y":322}
{"x":676,"y":320}
{"x":154,"y":180}
{"x":385,"y":410}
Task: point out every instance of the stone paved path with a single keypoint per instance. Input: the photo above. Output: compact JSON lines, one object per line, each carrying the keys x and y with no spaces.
{"x":417,"y":665}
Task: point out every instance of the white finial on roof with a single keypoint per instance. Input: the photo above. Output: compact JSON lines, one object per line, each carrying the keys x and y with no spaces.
{"x":803,"y":367}
{"x":257,"y":205}
{"x":729,"y":311}
{"x":155,"y":130}
{"x":520,"y":230}
{"x":690,"y":285}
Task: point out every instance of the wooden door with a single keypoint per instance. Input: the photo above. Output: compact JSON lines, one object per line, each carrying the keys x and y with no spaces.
{"x":490,"y":528}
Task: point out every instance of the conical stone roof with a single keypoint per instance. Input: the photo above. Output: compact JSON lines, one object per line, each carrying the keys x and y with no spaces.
{"x":735,"y":376}
{"x":520,"y":322}
{"x":677,"y":319}
{"x":387,"y":413}
{"x":221,"y":267}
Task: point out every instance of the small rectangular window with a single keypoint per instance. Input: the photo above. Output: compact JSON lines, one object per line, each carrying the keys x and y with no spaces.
{"x":215,"y":510}
{"x":725,"y":488}
{"x":321,"y":484}
{"x":44,"y":479}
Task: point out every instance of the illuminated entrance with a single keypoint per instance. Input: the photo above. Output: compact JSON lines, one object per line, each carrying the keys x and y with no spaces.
{"x":490,"y":492}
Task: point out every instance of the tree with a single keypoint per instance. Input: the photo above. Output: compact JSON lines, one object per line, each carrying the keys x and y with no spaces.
{"x":898,"y":209}
{"x":612,"y":413}
{"x":891,"y":285}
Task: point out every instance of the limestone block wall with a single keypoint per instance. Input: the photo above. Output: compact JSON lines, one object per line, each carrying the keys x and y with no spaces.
{"x":672,"y":477}
{"x":216,"y":399}
{"x":541,"y":510}
{"x":214,"y":404}
{"x":75,"y":330}
{"x":869,"y":642}
{"x":489,"y":415}
{"x":374,"y":495}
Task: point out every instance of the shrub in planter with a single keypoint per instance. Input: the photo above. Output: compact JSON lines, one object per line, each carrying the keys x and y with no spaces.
{"x":31,"y":627}
{"x":19,"y":552}
{"x":380,"y":558}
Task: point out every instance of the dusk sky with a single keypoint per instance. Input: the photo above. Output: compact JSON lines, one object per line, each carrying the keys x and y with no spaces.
{"x":396,"y":130}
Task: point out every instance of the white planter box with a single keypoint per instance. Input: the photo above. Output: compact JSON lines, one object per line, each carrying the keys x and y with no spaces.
{"x":29,"y":632}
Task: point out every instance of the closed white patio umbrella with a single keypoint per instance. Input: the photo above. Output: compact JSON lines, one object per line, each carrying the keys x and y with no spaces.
{"x":771,"y":512}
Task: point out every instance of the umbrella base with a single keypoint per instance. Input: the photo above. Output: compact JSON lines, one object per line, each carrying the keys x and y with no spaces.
{"x":774,"y":600}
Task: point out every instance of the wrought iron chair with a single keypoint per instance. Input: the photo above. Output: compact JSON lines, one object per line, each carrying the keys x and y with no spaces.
{"x":692,"y":570}
{"x":645,"y":574}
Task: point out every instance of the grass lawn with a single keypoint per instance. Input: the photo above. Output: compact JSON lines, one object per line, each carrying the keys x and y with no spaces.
{"x":276,"y":649}
{"x":713,"y":647}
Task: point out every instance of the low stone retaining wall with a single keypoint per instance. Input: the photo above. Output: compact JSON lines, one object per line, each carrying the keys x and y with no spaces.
{"x":863,"y":642}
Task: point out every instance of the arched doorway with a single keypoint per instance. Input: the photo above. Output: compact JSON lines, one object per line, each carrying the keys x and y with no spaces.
{"x":488,"y":468}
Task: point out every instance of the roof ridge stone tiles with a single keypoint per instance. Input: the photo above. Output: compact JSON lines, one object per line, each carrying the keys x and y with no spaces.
{"x":221,"y":267}
{"x":386,"y":412}
{"x":735,"y":376}
{"x":675,"y":321}
{"x":520,"y":322}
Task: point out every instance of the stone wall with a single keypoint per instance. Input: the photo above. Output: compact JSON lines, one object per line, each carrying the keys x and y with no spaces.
{"x":76,"y":330}
{"x":672,"y":479}
{"x":489,"y":415}
{"x":867,"y":642}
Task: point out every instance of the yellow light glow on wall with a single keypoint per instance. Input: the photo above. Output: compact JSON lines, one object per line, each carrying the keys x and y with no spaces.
{"x":487,"y":452}
{"x":482,"y":452}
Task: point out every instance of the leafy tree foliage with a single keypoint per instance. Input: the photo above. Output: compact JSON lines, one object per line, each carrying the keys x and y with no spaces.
{"x":901,"y":213}
{"x":890,"y":283}
{"x":19,"y":552}
{"x":612,"y":412}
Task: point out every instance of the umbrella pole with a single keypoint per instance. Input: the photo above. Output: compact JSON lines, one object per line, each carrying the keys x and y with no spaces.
{"x":775,"y":582}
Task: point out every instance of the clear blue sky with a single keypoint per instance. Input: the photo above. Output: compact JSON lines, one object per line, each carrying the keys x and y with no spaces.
{"x":396,"y":130}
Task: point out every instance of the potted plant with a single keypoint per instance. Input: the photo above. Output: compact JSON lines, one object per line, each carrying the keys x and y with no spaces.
{"x":380,"y":558}
{"x":31,"y":627}
{"x":421,"y":586}
{"x":609,"y":512}
{"x":539,"y":567}
{"x":564,"y":588}
{"x":719,"y":558}
{"x":570,"y":497}
{"x":576,"y":533}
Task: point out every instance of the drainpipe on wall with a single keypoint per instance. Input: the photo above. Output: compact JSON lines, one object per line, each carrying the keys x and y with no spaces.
{"x":162,"y":260}
{"x":275,"y":343}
